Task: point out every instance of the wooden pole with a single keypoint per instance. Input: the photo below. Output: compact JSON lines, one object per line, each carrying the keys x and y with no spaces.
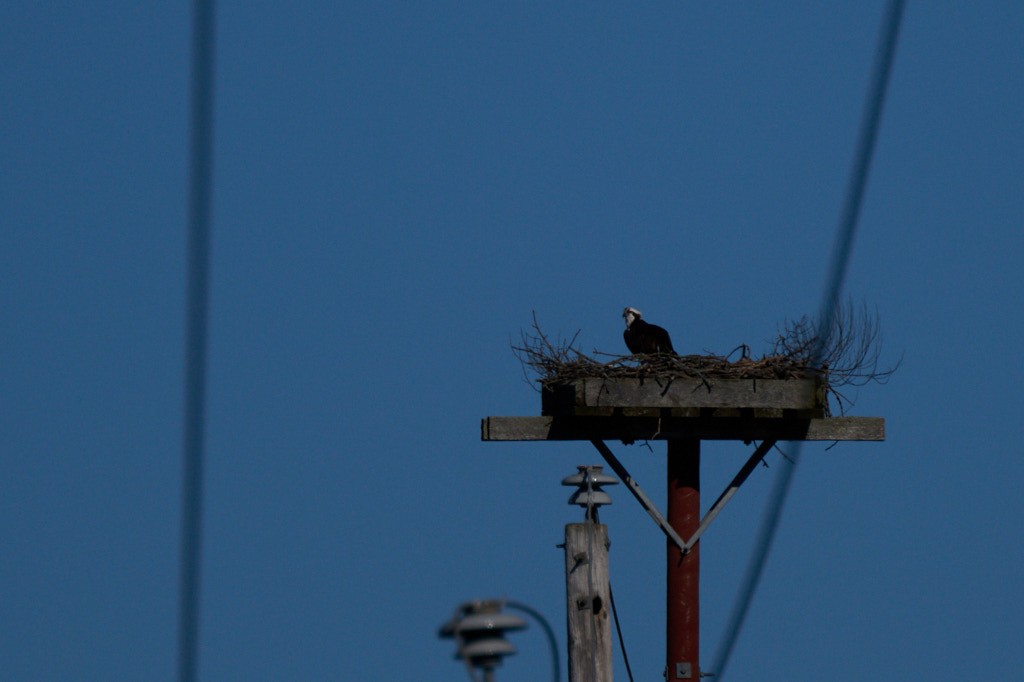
{"x":587,"y":602}
{"x":683,"y":572}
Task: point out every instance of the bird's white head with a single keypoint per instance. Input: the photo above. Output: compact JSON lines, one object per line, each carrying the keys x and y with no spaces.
{"x":631,"y":315}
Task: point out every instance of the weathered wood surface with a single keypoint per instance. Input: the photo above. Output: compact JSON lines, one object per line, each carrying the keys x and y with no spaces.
{"x":588,"y":604}
{"x":663,"y":428}
{"x":602,"y":396}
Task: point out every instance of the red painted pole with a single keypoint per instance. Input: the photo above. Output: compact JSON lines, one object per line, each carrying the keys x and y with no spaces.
{"x":683,"y":573}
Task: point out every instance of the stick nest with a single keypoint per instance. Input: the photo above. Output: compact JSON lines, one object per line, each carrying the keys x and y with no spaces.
{"x":845,"y":355}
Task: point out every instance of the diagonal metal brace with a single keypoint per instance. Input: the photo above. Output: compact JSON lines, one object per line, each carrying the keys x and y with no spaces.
{"x":639,"y":494}
{"x":727,"y":494}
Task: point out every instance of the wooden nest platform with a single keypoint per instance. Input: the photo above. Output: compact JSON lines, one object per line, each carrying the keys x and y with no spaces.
{"x":689,"y":397}
{"x":740,"y":400}
{"x":686,"y":397}
{"x":784,"y":395}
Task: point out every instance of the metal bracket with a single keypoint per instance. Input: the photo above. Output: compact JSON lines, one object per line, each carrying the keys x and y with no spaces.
{"x":684,"y":670}
{"x":639,"y":494}
{"x":648,"y":505}
{"x":727,"y":494}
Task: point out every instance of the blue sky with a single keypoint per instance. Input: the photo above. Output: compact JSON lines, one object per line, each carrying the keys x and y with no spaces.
{"x":397,"y":187}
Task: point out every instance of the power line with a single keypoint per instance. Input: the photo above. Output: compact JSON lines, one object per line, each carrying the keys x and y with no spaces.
{"x":196,"y":317}
{"x":549,"y":633}
{"x":618,"y":630}
{"x":841,"y":250}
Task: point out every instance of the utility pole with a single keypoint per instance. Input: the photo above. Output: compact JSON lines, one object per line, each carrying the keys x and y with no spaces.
{"x":682,"y":608}
{"x":587,"y":592}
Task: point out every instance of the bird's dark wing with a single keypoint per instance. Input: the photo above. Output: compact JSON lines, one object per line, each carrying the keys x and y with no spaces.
{"x":662,"y":342}
{"x":632,"y":343}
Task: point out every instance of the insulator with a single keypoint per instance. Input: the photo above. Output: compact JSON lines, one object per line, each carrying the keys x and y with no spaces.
{"x":589,"y":480}
{"x":479,"y":627}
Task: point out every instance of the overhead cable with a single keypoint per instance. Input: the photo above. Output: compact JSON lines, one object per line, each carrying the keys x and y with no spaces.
{"x":841,"y":251}
{"x":196,"y":317}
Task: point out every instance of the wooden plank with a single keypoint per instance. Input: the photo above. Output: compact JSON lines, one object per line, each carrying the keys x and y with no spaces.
{"x":584,"y":396}
{"x":687,"y":392}
{"x":663,"y":428}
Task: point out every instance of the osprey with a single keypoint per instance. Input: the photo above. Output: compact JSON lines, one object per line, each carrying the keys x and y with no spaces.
{"x":642,"y":337}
